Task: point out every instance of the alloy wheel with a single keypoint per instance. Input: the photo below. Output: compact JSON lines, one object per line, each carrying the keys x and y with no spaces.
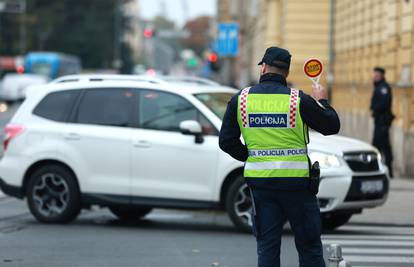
{"x":243,"y":205}
{"x":51,"y":195}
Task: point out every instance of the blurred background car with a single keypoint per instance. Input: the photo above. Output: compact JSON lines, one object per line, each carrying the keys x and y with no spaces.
{"x":51,"y":64}
{"x":13,"y":86}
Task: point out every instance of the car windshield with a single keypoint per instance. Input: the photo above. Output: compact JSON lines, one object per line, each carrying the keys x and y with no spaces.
{"x":217,"y":102}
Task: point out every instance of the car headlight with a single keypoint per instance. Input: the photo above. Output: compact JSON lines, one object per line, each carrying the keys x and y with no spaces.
{"x":325,"y":160}
{"x":379,"y":157}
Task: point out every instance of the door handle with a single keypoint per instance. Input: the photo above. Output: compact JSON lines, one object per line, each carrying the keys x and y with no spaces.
{"x":142,"y":144}
{"x":72,"y":136}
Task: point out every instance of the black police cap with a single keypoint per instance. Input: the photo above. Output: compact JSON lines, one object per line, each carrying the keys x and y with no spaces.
{"x":380,"y":70}
{"x":277,"y":57}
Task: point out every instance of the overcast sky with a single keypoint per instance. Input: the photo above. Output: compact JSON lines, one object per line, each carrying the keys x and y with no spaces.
{"x":174,"y":8}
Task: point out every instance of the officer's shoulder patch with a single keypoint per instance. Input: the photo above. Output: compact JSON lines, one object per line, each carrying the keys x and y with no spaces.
{"x":384,"y":90}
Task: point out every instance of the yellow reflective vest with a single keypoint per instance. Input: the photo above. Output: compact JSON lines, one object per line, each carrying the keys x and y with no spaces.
{"x":275,"y":135}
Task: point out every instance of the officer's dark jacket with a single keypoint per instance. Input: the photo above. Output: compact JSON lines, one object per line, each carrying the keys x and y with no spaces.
{"x":381,"y":101}
{"x":325,"y":121}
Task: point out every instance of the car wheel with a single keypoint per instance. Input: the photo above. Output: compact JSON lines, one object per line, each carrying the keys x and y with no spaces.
{"x":53,"y":195}
{"x":239,"y":205}
{"x":331,"y":221}
{"x":130,"y":214}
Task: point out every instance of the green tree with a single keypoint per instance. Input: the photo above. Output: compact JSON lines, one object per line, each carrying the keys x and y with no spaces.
{"x":199,"y":38}
{"x":79,"y":27}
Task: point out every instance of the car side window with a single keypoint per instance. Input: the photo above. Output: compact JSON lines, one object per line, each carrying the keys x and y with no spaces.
{"x":109,"y":106}
{"x":56,"y":105}
{"x":165,"y":111}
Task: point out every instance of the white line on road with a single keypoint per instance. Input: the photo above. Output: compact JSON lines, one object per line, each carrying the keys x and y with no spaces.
{"x":382,"y":229}
{"x":382,"y":251}
{"x":402,"y":243}
{"x":169,"y":216}
{"x":380,"y":259}
{"x":369,"y":237}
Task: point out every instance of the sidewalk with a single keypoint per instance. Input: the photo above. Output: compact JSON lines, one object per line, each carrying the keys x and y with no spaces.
{"x":398,"y":210}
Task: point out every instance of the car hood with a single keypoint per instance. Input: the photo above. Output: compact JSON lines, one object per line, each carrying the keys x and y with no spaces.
{"x":336,"y":144}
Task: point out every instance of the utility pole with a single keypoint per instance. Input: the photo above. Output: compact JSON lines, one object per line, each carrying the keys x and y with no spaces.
{"x":163,"y":9}
{"x":23,"y":35}
{"x":184,"y":5}
{"x":16,"y":7}
{"x":332,"y":4}
{"x":117,"y":36}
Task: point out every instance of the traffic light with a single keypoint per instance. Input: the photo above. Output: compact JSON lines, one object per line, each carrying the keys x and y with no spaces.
{"x":20,"y":69}
{"x":148,"y":33}
{"x":192,"y":62}
{"x":214,"y":62}
{"x":213,"y":57}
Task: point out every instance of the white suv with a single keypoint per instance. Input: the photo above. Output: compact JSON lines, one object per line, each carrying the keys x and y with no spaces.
{"x":133,"y":143}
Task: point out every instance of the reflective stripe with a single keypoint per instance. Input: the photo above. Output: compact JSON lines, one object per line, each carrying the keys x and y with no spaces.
{"x":269,"y":165}
{"x":276,"y":173}
{"x":243,"y":106}
{"x":277,"y":152}
{"x":293,"y":107}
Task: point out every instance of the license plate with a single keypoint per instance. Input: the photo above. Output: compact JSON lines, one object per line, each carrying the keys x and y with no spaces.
{"x":369,"y":187}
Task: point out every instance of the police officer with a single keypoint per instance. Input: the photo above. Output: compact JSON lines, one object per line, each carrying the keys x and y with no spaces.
{"x":381,"y":102}
{"x":273,"y":120}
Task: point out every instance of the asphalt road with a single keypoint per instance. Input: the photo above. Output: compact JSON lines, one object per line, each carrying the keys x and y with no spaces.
{"x":379,"y":237}
{"x":176,"y":238}
{"x":96,"y":238}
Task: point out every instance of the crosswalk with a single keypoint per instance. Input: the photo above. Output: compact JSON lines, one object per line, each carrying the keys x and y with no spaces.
{"x":366,"y":245}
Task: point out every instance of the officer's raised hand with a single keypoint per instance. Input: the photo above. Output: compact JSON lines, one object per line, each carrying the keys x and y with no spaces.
{"x":319,"y":92}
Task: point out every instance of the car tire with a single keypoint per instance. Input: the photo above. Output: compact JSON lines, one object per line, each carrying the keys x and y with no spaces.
{"x":331,"y":221}
{"x":130,"y":213}
{"x":53,"y":194}
{"x":238,"y":204}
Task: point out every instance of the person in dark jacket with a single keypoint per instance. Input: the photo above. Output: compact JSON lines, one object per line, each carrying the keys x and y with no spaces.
{"x":381,"y":111}
{"x":276,"y":199}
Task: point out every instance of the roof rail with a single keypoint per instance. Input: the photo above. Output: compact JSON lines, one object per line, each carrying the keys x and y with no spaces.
{"x":190,"y":79}
{"x":107,"y":77}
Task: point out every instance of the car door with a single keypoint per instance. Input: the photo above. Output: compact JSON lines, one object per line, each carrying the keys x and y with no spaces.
{"x":165,"y":162}
{"x":98,"y":140}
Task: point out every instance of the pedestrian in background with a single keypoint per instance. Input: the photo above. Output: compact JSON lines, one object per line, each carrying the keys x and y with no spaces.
{"x":273,"y":120}
{"x":381,"y":111}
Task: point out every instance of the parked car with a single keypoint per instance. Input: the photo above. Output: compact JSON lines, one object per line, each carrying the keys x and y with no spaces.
{"x":13,"y":86}
{"x":136,"y":143}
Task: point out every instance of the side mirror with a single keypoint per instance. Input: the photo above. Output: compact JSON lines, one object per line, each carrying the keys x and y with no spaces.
{"x":192,"y":128}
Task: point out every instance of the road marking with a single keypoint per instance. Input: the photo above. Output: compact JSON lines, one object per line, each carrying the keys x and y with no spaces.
{"x":168,"y":216}
{"x":382,"y":229}
{"x":379,"y":246}
{"x":382,"y":251}
{"x":369,"y":237}
{"x":402,"y":243}
{"x":379,"y":259}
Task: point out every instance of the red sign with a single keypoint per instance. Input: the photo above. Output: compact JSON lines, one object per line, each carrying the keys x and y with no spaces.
{"x":313,"y":68}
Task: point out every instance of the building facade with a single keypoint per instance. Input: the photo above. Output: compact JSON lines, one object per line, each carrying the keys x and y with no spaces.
{"x":350,"y":37}
{"x":301,"y":26}
{"x":375,"y":33}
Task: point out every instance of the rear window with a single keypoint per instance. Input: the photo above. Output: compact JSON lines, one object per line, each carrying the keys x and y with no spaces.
{"x":57,"y":105}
